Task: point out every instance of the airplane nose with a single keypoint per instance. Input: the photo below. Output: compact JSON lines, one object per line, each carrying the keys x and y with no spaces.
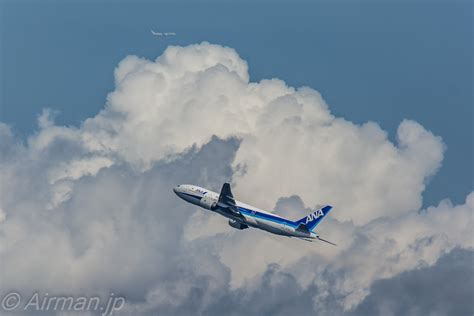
{"x":176,"y":190}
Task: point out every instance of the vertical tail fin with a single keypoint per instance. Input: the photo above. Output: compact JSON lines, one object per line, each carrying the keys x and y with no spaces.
{"x":313,"y":219}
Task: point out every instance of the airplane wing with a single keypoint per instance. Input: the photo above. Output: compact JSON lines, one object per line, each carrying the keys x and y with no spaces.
{"x":226,"y":196}
{"x":227,"y":202}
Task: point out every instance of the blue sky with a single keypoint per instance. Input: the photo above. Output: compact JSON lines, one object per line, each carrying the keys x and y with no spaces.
{"x":381,"y":62}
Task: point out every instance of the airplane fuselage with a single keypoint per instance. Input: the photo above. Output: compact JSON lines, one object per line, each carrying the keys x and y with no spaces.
{"x":249,"y":215}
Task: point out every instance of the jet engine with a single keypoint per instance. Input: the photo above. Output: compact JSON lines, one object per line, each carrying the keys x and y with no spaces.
{"x":208,"y":203}
{"x":237,"y":224}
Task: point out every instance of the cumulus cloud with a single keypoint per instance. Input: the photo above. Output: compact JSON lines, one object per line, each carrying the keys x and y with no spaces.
{"x":406,"y":294}
{"x":186,"y":96}
{"x":2,"y":215}
{"x":90,"y":208}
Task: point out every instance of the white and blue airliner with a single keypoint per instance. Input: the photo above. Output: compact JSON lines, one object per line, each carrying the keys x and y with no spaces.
{"x":242,"y":216}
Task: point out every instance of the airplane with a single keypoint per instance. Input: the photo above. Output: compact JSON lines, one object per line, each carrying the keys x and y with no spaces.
{"x":163,"y":33}
{"x":242,"y":216}
{"x":156,"y":33}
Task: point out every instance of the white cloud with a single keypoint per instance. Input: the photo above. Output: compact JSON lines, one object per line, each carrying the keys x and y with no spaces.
{"x":2,"y":215}
{"x":387,"y":247}
{"x":377,"y":250}
{"x":189,"y":94}
{"x":101,"y":193}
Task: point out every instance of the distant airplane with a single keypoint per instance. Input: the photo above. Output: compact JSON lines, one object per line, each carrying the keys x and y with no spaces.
{"x":242,"y":216}
{"x":163,"y":34}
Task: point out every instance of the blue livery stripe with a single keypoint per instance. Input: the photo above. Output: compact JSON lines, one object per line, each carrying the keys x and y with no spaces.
{"x":267,"y":217}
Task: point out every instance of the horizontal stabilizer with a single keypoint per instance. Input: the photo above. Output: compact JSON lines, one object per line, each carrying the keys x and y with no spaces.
{"x":324,"y":240}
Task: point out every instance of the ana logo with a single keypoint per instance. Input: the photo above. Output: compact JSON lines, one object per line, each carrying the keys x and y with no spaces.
{"x":315,"y":215}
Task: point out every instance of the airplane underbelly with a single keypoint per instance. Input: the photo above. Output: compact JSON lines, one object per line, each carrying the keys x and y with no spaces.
{"x":190,"y":199}
{"x":272,"y":227}
{"x":251,"y":221}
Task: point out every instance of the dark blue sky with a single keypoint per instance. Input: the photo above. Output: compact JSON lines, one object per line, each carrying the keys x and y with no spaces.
{"x":371,"y":61}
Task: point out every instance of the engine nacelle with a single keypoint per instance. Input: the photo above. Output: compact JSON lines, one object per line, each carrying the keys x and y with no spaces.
{"x":208,"y":202}
{"x":237,"y":224}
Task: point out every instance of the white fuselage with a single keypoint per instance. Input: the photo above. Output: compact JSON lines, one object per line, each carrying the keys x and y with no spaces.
{"x":251,"y":216}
